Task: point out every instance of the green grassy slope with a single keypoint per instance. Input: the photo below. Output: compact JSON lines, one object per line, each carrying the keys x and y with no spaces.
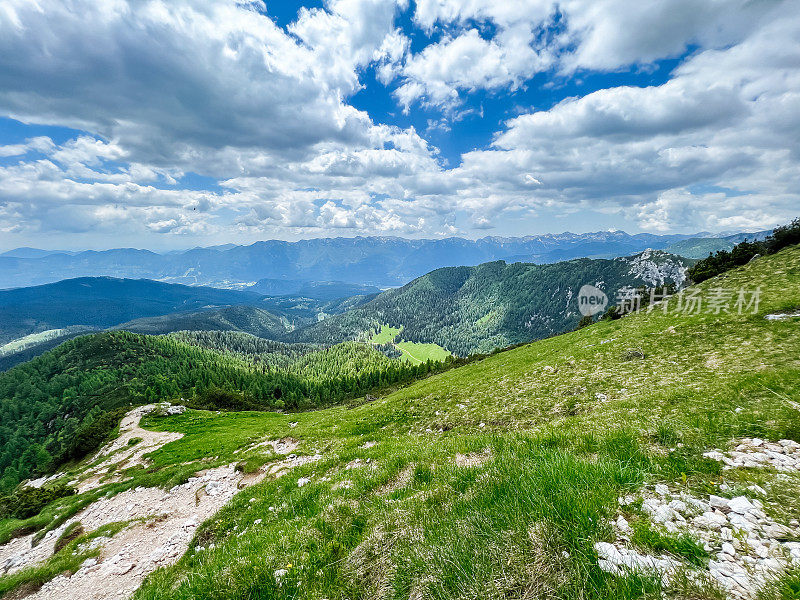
{"x":413,"y":352}
{"x":700,"y":247}
{"x":416,"y":353}
{"x":493,"y":480}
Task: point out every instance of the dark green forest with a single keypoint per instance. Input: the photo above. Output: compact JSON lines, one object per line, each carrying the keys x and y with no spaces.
{"x":56,"y":400}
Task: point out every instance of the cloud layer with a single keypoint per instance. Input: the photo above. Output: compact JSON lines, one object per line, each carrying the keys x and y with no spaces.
{"x":161,"y":93}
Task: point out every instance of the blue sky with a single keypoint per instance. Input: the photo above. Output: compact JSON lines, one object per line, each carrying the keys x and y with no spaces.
{"x":173,"y":124}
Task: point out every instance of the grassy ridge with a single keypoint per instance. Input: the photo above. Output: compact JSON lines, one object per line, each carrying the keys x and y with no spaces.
{"x":493,"y":480}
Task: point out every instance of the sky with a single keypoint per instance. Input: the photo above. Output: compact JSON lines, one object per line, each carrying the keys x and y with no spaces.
{"x":169,"y":124}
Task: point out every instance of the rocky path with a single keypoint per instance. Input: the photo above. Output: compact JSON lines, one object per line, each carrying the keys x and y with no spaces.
{"x":168,"y":521}
{"x":161,"y":523}
{"x":121,"y":453}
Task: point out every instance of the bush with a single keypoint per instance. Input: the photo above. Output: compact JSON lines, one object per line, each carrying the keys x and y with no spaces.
{"x":90,"y":436}
{"x":26,"y":502}
{"x":612,"y":314}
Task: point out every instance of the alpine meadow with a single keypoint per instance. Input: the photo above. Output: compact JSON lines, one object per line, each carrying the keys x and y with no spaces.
{"x":390,"y":300}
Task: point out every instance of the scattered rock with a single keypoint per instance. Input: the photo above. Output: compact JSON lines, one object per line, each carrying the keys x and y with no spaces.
{"x":719,"y":502}
{"x":782,"y":316}
{"x":757,"y":453}
{"x":728,"y":548}
{"x":623,"y":561}
{"x":751,"y":549}
{"x":741,"y":505}
{"x":623,"y":526}
{"x":473,"y":459}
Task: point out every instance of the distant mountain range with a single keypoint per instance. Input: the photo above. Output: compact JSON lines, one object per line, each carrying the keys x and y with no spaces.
{"x":277,"y":267}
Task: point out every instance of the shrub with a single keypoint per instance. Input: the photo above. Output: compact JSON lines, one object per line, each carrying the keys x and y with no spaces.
{"x":612,"y":314}
{"x":26,"y":502}
{"x":90,"y":436}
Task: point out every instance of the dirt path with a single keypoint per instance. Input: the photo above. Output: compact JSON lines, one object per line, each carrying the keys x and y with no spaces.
{"x":20,"y":552}
{"x":121,"y":454}
{"x":169,"y":521}
{"x":163,"y":523}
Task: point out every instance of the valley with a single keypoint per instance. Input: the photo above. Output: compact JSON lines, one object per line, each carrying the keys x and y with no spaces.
{"x":463,"y":310}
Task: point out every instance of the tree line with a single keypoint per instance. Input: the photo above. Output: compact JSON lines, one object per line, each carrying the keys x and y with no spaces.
{"x":744,"y":252}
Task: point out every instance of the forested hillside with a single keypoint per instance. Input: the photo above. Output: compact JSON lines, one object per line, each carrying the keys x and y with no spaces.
{"x":51,"y":403}
{"x":246,"y":346}
{"x":700,"y":247}
{"x":250,"y":319}
{"x":102,"y":302}
{"x":477,"y":309}
{"x":273,"y":318}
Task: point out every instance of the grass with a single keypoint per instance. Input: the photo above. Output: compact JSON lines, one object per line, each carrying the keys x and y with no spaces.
{"x":386,"y":335}
{"x":787,"y":587}
{"x":73,"y":531}
{"x":562,"y":428}
{"x":413,"y":352}
{"x":649,"y":538}
{"x":416,"y":353}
